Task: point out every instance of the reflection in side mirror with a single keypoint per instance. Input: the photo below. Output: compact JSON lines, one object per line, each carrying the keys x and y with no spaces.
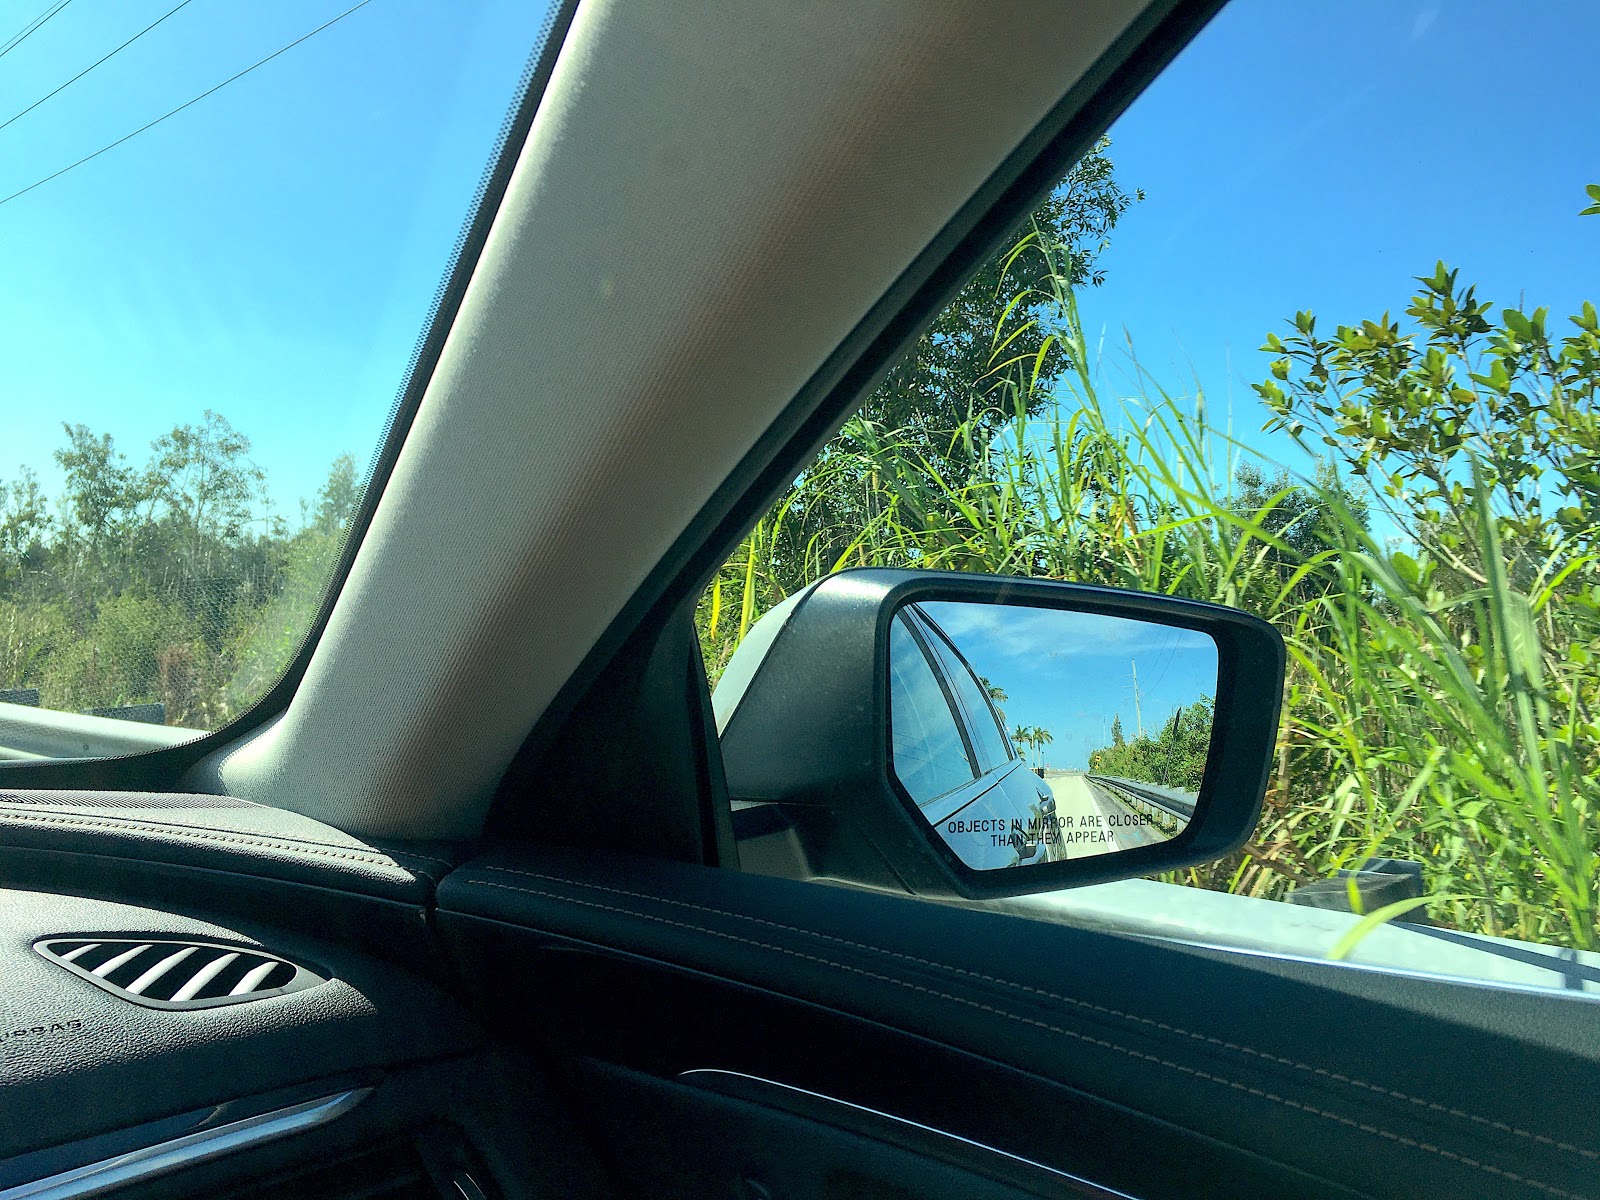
{"x":1022,"y":736}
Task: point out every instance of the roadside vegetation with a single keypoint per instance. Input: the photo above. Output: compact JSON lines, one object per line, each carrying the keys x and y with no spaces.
{"x":163,"y":584}
{"x":1173,"y":757}
{"x":1436,"y":579}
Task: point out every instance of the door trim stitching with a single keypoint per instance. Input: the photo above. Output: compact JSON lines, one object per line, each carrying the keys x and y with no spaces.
{"x":1196,"y":1072}
{"x":156,"y":832}
{"x":1090,"y":1006}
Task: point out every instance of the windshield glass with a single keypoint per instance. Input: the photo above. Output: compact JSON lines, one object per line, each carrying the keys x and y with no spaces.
{"x":225,"y":228}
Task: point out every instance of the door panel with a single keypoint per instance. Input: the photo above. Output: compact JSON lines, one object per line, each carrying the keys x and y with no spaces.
{"x":627,"y":1030}
{"x":679,"y":1137}
{"x":1148,"y":1068}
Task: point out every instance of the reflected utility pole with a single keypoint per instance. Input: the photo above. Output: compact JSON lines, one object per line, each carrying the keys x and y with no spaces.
{"x":1138,"y":720}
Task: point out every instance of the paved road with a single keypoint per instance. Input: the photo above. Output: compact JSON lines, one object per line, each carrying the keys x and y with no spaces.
{"x":1100,"y":824}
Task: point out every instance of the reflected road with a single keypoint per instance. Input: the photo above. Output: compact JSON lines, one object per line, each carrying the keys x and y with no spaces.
{"x":1100,"y":823}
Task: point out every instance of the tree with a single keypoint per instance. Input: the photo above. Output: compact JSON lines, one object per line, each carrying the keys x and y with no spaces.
{"x":100,"y":487}
{"x":1297,"y":525}
{"x":1041,"y":738}
{"x":1116,"y":731}
{"x":203,"y":476}
{"x":1022,"y":736}
{"x":960,"y":372}
{"x":1176,"y":757}
{"x":163,"y":583}
{"x":24,"y":522}
{"x":339,"y":496}
{"x":1409,"y":411}
{"x":997,"y":696}
{"x":950,"y":374}
{"x":1295,"y":514}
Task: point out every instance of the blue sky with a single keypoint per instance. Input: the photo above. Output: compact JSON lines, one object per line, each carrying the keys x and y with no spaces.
{"x":271,"y":252}
{"x":1071,"y":673}
{"x":1321,"y":155}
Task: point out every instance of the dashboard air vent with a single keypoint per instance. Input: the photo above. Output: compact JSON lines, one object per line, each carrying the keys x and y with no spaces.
{"x":177,"y":973}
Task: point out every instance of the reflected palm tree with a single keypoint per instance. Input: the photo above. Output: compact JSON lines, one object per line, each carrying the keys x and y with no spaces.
{"x":1041,"y":739}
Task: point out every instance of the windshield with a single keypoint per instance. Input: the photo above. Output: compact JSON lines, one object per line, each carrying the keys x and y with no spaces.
{"x":225,"y":229}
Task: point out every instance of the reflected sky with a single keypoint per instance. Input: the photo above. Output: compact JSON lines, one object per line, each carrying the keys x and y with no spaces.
{"x":1072,"y":673}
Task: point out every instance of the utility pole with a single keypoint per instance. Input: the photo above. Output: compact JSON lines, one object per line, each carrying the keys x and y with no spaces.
{"x":1138,"y":720}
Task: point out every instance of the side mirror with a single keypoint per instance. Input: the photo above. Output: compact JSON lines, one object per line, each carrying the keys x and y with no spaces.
{"x":974,"y":736}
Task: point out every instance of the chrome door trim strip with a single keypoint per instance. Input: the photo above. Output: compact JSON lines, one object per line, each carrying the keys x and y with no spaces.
{"x":861,"y":1120}
{"x":186,"y":1151}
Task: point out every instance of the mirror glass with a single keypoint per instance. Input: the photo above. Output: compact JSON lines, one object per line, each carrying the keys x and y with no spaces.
{"x":1033,"y":735}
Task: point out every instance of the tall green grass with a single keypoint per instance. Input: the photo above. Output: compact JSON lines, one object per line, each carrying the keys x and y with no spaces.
{"x":1453,"y":727}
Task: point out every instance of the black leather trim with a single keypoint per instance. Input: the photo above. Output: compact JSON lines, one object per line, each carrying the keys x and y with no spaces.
{"x":1433,"y":1089}
{"x":218,"y":833}
{"x":672,"y":1139}
{"x":579,"y":1004}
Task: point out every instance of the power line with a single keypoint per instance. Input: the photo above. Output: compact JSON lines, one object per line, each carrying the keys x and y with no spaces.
{"x":186,"y":104}
{"x":91,"y":67}
{"x":1172,"y":646}
{"x":32,"y":27}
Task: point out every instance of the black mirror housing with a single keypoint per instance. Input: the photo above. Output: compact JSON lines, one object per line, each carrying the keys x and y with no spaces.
{"x":804,"y":714}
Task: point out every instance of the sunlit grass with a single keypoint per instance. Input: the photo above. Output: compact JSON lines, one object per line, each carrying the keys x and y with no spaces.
{"x":1454,"y":728}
